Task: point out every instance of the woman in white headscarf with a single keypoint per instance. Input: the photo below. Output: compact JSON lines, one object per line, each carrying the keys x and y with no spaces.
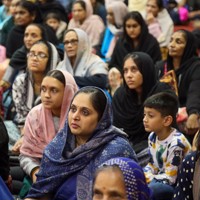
{"x":88,"y":69}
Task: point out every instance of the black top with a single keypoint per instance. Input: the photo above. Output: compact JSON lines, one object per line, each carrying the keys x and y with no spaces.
{"x":128,"y":110}
{"x":13,"y":44}
{"x":188,"y":76}
{"x":4,"y":158}
{"x":98,"y":80}
{"x":147,"y":44}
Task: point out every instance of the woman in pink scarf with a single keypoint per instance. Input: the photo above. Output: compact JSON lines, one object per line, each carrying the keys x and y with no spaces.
{"x":84,"y":19}
{"x":46,"y":119}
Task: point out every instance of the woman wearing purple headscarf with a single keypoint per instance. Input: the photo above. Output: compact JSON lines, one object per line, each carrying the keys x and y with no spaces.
{"x":123,"y":178}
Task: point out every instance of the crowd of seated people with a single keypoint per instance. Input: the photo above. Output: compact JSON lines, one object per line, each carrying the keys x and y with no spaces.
{"x":99,"y":98}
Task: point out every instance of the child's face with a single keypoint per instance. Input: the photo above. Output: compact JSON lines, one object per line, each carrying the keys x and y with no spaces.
{"x":153,"y":120}
{"x":54,"y":23}
{"x":114,"y":79}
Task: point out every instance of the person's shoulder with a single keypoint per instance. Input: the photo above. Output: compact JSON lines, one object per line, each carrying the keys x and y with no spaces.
{"x":151,"y":39}
{"x":121,"y":143}
{"x":21,"y":51}
{"x":20,"y":79}
{"x":120,"y":41}
{"x":119,"y":147}
{"x":178,"y":139}
{"x":164,"y":14}
{"x":34,"y":114}
{"x":96,"y":18}
{"x":120,"y":92}
{"x":97,"y":59}
{"x":36,"y":110}
{"x":162,"y":87}
{"x":190,"y":159}
{"x":160,"y":64}
{"x":152,"y":137}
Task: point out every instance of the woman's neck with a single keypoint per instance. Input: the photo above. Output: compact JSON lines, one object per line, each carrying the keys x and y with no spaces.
{"x":72,"y":61}
{"x":80,"y":141}
{"x":81,"y":21}
{"x":164,"y":134}
{"x":139,"y":95}
{"x":37,"y":78}
{"x":135,"y":43}
{"x":37,"y":81}
{"x":56,"y":113}
{"x":176,"y":63}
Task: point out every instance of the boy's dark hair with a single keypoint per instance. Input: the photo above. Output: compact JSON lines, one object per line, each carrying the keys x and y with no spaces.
{"x":164,"y":102}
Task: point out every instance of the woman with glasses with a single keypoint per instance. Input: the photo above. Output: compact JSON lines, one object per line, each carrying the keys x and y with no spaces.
{"x":41,"y":58}
{"x":88,"y":69}
{"x":17,"y":65}
{"x":18,"y":62}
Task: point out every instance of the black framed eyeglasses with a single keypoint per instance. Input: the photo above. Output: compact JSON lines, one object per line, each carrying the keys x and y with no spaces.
{"x":71,"y":42}
{"x":40,"y":55}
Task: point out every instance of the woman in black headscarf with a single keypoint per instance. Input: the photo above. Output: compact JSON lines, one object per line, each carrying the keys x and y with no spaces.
{"x":135,"y":38}
{"x":139,"y":83}
{"x":183,"y":60}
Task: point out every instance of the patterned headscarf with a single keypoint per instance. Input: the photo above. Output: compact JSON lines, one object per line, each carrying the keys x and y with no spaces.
{"x":61,"y":159}
{"x":135,"y":182}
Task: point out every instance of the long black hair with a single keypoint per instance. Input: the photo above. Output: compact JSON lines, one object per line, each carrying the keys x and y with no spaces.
{"x":135,"y":15}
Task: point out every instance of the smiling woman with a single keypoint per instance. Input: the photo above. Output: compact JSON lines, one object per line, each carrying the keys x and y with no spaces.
{"x":87,"y":140}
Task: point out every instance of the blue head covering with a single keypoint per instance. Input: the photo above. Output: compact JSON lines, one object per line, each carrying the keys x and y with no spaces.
{"x":135,"y":182}
{"x":61,"y":159}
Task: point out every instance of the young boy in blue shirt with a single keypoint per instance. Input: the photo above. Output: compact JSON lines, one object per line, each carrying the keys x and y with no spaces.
{"x":167,"y":146}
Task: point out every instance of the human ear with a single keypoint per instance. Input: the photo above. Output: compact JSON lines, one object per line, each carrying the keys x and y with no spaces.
{"x":168,"y":120}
